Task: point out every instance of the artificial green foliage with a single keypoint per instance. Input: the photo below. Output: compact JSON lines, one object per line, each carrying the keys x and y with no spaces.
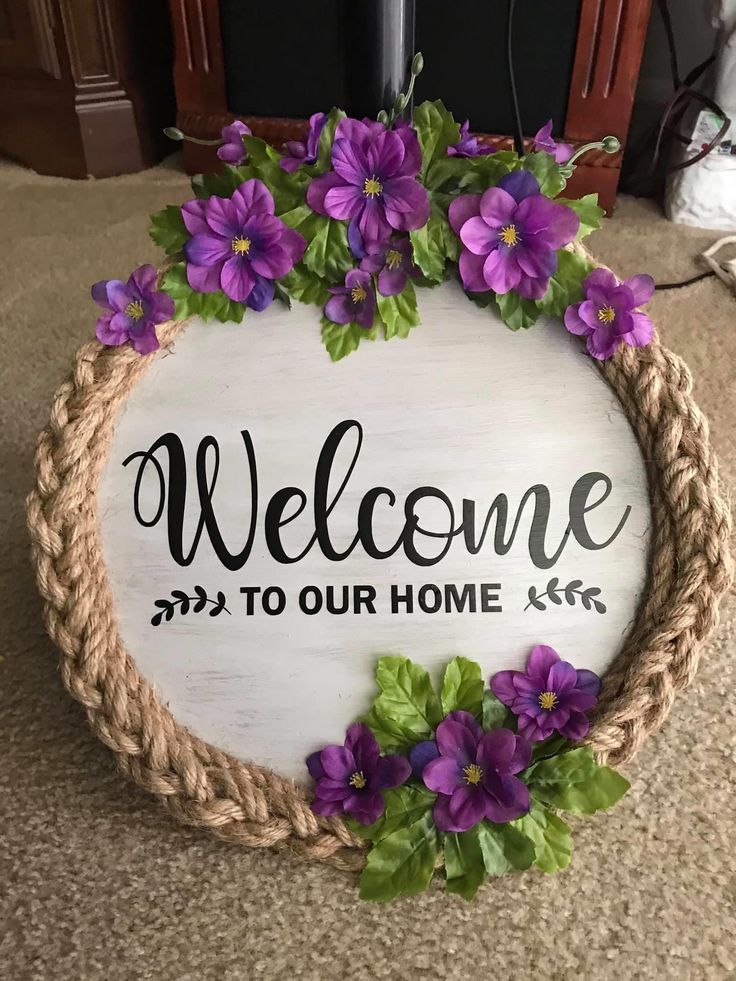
{"x":462,"y":687}
{"x":327,"y":138}
{"x":221,"y":184}
{"x":404,"y":806}
{"x":505,"y":849}
{"x":575,"y":782}
{"x":435,"y":245}
{"x":342,"y":339}
{"x":494,"y":713}
{"x":464,"y":865}
{"x":288,"y":190}
{"x":168,"y":230}
{"x":399,"y":313}
{"x":402,"y":863}
{"x":189,"y":303}
{"x":516,"y":312}
{"x":588,"y":211}
{"x":302,"y":284}
{"x":406,"y":710}
{"x":547,"y":172}
{"x":566,"y":286}
{"x":550,"y":835}
{"x":436,"y":130}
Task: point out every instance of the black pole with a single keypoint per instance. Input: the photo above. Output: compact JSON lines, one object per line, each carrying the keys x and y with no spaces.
{"x":379,"y":50}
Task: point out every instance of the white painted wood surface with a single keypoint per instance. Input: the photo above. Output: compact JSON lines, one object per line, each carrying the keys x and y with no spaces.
{"x":464,"y":405}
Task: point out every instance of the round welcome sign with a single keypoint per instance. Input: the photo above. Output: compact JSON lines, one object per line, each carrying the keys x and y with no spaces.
{"x":396,"y":606}
{"x":468,"y":492}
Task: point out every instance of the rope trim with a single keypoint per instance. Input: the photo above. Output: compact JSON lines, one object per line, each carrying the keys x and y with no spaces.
{"x":241,"y":802}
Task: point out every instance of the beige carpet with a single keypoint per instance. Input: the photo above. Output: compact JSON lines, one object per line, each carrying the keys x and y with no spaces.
{"x":96,"y":882}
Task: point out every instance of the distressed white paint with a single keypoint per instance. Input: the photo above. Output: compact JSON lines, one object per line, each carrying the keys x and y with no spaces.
{"x":463,"y":404}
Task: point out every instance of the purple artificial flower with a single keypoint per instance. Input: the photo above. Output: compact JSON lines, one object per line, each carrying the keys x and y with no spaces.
{"x":374,"y":180}
{"x":238,"y":245}
{"x":132,"y":310}
{"x":468,"y":145}
{"x":296,"y":153}
{"x":350,"y":778}
{"x":511,"y":234}
{"x":543,"y":141}
{"x":473,"y":775}
{"x":355,"y":302}
{"x":421,"y":753}
{"x":232,"y":150}
{"x":607,"y":316}
{"x":551,"y":695}
{"x":394,"y":264}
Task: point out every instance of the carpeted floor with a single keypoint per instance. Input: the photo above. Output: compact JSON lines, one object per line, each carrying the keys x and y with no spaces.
{"x":96,"y":882}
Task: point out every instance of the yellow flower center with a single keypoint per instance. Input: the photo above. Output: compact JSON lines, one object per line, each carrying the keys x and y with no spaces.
{"x":547,"y":700}
{"x":358,"y":780}
{"x":473,"y":774}
{"x":509,"y":235}
{"x":372,"y":187}
{"x":606,"y":315}
{"x":134,"y":310}
{"x":358,"y":294}
{"x":241,"y":246}
{"x":393,"y":259}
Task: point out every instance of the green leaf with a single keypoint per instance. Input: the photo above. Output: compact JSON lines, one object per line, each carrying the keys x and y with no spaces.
{"x":342,"y":339}
{"x":327,"y":255}
{"x":168,"y":230}
{"x":404,"y":806}
{"x":588,"y":211}
{"x":436,"y":130}
{"x":399,"y":313}
{"x":464,"y":865}
{"x":223,"y":183}
{"x":574,"y":782}
{"x":516,"y":312}
{"x":288,"y":190}
{"x":189,"y":303}
{"x":566,"y":286}
{"x":495,"y":713}
{"x":327,"y":138}
{"x":549,"y":747}
{"x":434,"y":244}
{"x":505,"y":848}
{"x":551,"y":837}
{"x":302,"y":284}
{"x":402,"y":863}
{"x":462,"y":687}
{"x":407,"y":709}
{"x":487,"y":171}
{"x":547,"y":172}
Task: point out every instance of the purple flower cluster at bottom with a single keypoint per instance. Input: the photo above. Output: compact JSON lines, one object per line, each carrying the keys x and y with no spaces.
{"x":132,"y":310}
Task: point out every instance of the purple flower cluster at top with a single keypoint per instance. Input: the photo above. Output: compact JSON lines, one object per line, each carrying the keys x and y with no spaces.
{"x":550,"y":696}
{"x":232,"y":150}
{"x":373,"y":184}
{"x":238,"y":245}
{"x":132,"y":310}
{"x":510,"y":235}
{"x":544,"y":141}
{"x":473,"y":773}
{"x":350,"y":778}
{"x":468,"y":145}
{"x":608,"y":317}
{"x":296,"y":153}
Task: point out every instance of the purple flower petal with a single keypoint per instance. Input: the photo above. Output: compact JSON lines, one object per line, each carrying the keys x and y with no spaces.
{"x":237,"y":279}
{"x":144,"y":278}
{"x":601,"y":279}
{"x":340,"y":309}
{"x":497,"y":207}
{"x":366,"y":809}
{"x":468,"y":806}
{"x":337,"y":762}
{"x":443,"y":775}
{"x":461,"y":209}
{"x":318,"y":189}
{"x":520,"y":184}
{"x":207,"y":250}
{"x":508,"y":800}
{"x":361,"y":742}
{"x":204,"y":279}
{"x":314,"y":766}
{"x":391,"y":282}
{"x":502,"y":686}
{"x":144,"y":341}
{"x":327,"y":808}
{"x":588,"y":681}
{"x":503,"y":751}
{"x":118,"y":294}
{"x":574,"y":323}
{"x":329,"y":789}
{"x":343,"y":201}
{"x":468,"y":720}
{"x":561,"y":677}
{"x":372,"y":222}
{"x":421,"y":754}
{"x":441,"y":814}
{"x":642,"y":288}
{"x":99,"y":294}
{"x":222,"y":217}
{"x":253,"y":198}
{"x":532,"y":287}
{"x":356,"y":243}
{"x":478,"y":237}
{"x":412,"y":151}
{"x":554,"y":224}
{"x":232,"y":153}
{"x":262,"y":294}
{"x":535,"y":729}
{"x":107,"y":334}
{"x":604,"y":341}
{"x":642,"y":332}
{"x":471,"y":272}
{"x":193,"y":212}
{"x":576,"y":728}
{"x":351,"y":163}
{"x":385,"y":155}
{"x":456,"y":741}
{"x":500,"y":271}
{"x":273,"y":263}
{"x":391,"y":771}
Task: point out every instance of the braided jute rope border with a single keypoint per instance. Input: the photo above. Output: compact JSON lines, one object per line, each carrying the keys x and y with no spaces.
{"x":690,"y":568}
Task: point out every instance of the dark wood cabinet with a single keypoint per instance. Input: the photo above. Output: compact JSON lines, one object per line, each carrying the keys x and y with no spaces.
{"x":85,"y":85}
{"x":605,"y":53}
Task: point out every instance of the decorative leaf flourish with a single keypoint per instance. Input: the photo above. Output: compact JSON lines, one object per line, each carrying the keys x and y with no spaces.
{"x":185,"y":604}
{"x":555,"y":593}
